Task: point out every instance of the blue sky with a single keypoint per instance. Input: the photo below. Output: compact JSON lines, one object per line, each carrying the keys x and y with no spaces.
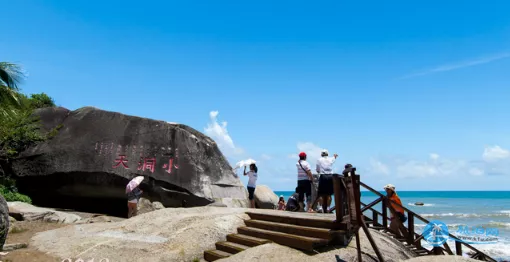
{"x":412,"y":93}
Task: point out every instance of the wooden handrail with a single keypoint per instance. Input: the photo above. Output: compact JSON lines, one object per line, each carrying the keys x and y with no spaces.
{"x":366,"y":207}
{"x":447,"y":248}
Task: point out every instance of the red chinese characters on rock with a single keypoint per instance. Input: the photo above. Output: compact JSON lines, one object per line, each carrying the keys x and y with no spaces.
{"x":121,"y":160}
{"x":168,"y":167}
{"x":147,"y":163}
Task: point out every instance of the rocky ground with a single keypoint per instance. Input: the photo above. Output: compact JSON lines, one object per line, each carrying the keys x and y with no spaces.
{"x":22,"y":232}
{"x":171,"y":234}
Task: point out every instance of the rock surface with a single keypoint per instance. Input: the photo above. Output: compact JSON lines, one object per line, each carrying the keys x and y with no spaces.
{"x":12,"y":247}
{"x":171,"y":234}
{"x":265,"y":198}
{"x":146,"y":206}
{"x":95,"y":153}
{"x":25,"y":212}
{"x":418,"y":204}
{"x":441,"y":259}
{"x":183,"y":234}
{"x":391,"y":250}
{"x":4,"y":221}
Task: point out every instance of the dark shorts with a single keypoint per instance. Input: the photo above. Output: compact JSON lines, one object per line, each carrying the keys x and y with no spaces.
{"x":251,"y":192}
{"x":326,"y":185}
{"x":304,"y":187}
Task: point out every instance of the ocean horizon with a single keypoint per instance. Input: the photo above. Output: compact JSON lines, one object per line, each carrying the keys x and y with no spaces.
{"x":487,"y":209}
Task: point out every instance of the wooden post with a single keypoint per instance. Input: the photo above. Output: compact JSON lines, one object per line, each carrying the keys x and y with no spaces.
{"x":437,"y":251}
{"x":339,"y":202}
{"x":355,"y":186}
{"x":410,"y":228}
{"x":358,"y":244}
{"x":458,"y":248}
{"x":384,"y":214}
{"x":375,"y":218}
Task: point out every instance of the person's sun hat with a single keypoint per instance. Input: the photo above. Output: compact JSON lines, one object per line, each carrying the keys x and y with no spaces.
{"x":389,"y":186}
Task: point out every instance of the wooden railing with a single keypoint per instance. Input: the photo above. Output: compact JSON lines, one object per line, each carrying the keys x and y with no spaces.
{"x":349,"y":210}
{"x":413,"y":238}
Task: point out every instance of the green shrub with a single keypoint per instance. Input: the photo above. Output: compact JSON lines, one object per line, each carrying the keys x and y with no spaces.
{"x":9,"y":191}
{"x":11,"y":196}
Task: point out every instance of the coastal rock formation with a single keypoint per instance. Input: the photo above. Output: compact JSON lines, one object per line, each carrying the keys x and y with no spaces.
{"x":265,"y":198}
{"x":170,"y":234}
{"x":4,"y":221}
{"x":95,"y":153}
{"x":25,"y":212}
{"x":418,"y":204}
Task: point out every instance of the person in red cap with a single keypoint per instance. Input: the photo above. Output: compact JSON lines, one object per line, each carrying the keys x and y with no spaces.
{"x":304,"y":183}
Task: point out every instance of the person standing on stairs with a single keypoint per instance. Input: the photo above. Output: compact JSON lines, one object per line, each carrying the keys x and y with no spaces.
{"x":304,"y":183}
{"x":252,"y":182}
{"x":397,"y":211}
{"x":324,"y":168}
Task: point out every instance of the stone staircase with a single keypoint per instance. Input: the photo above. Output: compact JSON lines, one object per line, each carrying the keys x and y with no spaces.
{"x":302,"y":231}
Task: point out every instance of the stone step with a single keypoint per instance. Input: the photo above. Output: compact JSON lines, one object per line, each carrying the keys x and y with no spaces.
{"x":299,"y":219}
{"x":213,"y":255}
{"x":323,"y":233}
{"x":290,"y":240}
{"x":230,"y":247}
{"x":247,"y":240}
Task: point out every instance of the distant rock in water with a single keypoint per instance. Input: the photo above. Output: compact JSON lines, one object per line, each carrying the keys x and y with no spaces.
{"x":95,"y":153}
{"x":419,"y":204}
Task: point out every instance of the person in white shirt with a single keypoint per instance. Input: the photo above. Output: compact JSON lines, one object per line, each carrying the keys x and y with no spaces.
{"x":304,"y":185}
{"x":325,"y":169}
{"x":252,"y":182}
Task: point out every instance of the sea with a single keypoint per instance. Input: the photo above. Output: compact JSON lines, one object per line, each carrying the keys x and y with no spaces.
{"x":478,"y":210}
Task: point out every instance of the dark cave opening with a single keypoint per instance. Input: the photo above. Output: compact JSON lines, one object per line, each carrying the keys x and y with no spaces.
{"x":100,"y":193}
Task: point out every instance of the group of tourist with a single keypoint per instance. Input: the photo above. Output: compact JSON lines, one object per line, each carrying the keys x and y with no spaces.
{"x":315,"y":189}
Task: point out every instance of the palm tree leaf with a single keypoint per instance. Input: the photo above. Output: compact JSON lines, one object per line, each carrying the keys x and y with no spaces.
{"x":11,"y":75}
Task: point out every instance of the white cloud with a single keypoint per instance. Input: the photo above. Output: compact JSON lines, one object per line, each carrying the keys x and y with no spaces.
{"x":220,"y":135}
{"x":450,"y":67}
{"x":378,"y":167}
{"x":495,"y":153}
{"x":313,"y":152}
{"x":496,"y":161}
{"x":433,"y":166}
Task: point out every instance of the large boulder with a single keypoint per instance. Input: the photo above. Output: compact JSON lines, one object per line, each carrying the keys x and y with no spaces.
{"x":27,"y":212}
{"x":95,"y":153}
{"x":146,"y":206}
{"x":265,"y":198}
{"x":4,"y":221}
{"x":171,"y":234}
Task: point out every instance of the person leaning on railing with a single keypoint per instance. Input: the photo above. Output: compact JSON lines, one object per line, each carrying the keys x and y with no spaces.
{"x":397,"y":212}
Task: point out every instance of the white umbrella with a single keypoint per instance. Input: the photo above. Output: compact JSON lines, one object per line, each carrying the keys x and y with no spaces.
{"x":244,"y":163}
{"x":134,"y":183}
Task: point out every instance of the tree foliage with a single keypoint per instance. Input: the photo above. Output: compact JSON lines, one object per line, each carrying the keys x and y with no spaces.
{"x":19,"y":128}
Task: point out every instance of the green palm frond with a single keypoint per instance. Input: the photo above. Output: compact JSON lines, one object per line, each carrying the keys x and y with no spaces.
{"x":11,"y":75}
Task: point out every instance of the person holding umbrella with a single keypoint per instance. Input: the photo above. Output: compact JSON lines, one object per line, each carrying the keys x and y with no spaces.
{"x":133,"y":193}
